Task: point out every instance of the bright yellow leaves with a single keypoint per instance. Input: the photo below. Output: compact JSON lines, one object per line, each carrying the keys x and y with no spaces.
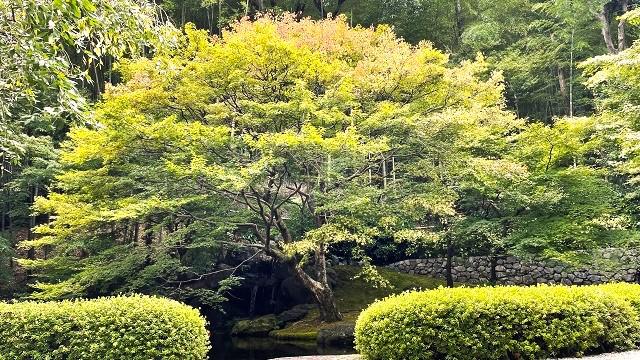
{"x":312,"y":140}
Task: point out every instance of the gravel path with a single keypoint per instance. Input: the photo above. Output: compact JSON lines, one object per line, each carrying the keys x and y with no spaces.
{"x":323,"y":357}
{"x":629,"y":355}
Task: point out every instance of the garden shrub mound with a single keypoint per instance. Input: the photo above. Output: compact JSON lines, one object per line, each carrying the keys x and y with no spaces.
{"x":501,"y":323}
{"x":127,"y":327}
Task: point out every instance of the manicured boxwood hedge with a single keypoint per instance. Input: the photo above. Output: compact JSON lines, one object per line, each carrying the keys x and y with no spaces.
{"x":116,"y":328}
{"x":501,"y":323}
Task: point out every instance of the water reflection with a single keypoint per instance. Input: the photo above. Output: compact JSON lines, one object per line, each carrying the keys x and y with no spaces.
{"x":231,"y":348}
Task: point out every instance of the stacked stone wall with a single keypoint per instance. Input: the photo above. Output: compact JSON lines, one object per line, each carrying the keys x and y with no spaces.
{"x":611,"y":265}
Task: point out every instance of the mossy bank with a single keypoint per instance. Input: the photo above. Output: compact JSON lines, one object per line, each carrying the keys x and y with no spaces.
{"x":352,"y":296}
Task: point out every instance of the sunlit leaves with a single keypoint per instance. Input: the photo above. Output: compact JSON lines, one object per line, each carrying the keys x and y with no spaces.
{"x":266,"y":137}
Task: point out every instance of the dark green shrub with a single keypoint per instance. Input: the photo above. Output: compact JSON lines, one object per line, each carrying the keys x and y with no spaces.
{"x":127,"y":327}
{"x":500,"y":323}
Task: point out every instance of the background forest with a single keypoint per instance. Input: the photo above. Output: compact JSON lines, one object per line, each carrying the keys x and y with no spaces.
{"x":160,"y":147}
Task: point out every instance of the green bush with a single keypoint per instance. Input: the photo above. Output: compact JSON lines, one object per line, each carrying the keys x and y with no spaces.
{"x":127,"y":327}
{"x":501,"y":323}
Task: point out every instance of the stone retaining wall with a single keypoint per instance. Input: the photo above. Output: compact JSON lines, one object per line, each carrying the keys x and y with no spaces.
{"x":613,"y":265}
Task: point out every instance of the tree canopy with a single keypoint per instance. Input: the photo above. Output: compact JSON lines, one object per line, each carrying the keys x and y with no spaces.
{"x":153,"y":159}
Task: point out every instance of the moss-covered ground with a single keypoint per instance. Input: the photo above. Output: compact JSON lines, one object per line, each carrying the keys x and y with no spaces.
{"x":352,"y":296}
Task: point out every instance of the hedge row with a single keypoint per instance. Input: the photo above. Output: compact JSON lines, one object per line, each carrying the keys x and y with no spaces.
{"x":501,"y":323}
{"x":132,"y":327}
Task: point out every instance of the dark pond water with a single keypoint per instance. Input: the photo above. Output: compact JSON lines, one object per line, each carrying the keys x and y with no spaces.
{"x":230,"y":348}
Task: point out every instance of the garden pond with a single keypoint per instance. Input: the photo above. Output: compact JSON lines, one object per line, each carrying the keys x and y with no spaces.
{"x":226,"y":347}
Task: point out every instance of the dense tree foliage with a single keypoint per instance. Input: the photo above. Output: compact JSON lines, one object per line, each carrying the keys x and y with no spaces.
{"x":267,"y":140}
{"x":161,"y":161}
{"x":536,"y":43}
{"x":53,"y":55}
{"x":614,"y":79}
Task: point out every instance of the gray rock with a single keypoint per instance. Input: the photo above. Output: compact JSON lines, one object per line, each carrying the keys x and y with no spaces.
{"x":594,"y":278}
{"x":256,"y":327}
{"x":337,"y":335}
{"x":294,"y":314}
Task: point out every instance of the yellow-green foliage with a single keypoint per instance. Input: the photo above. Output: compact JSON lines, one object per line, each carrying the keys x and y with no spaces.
{"x":131,"y":327}
{"x":500,"y":323}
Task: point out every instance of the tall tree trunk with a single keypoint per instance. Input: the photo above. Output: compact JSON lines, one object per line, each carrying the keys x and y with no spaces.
{"x":565,"y":91}
{"x":3,"y":215}
{"x":571,"y":73}
{"x":449,"y":264}
{"x":320,"y":6}
{"x":337,"y":9}
{"x":32,"y":218}
{"x":605,"y":25}
{"x":183,"y":13}
{"x":209,"y":19}
{"x":562,"y":83}
{"x":621,"y":31}
{"x":148,"y":241}
{"x":5,"y":203}
{"x":10,"y":225}
{"x":219,"y":18}
{"x":384,"y":173}
{"x":459,"y":24}
{"x":97,"y":74}
{"x":298,"y":9}
{"x":493,"y":276}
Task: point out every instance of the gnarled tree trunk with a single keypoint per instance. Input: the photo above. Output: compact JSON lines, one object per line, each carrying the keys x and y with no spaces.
{"x":266,"y":205}
{"x":322,"y":293}
{"x":319,"y":286}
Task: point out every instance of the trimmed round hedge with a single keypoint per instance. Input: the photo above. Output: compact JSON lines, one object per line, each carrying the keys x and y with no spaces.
{"x":125,"y":327}
{"x":501,"y":323}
